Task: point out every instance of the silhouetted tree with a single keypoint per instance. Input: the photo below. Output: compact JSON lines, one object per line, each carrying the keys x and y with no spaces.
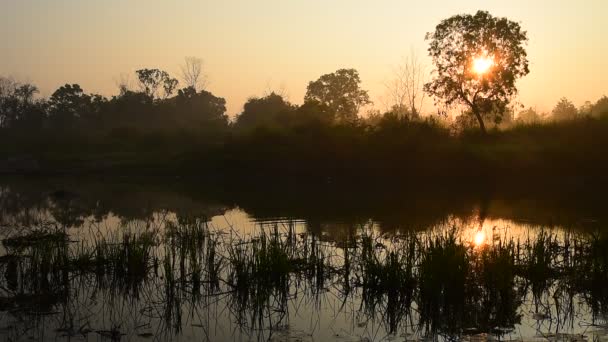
{"x":150,"y":80}
{"x":8,"y":103}
{"x":564,"y":110}
{"x":586,"y":109}
{"x":340,"y":92}
{"x":270,"y":110}
{"x":192,"y":73}
{"x":405,"y":90}
{"x":17,"y":104}
{"x":600,"y":108}
{"x":70,"y":102}
{"x":169,"y":86}
{"x":528,"y":116}
{"x":201,"y":108}
{"x":461,"y":40}
{"x":26,"y":92}
{"x":124,"y":84}
{"x":129,"y":108}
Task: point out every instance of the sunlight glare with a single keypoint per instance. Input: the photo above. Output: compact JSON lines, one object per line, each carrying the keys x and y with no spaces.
{"x":481,"y":65}
{"x":480,"y":238}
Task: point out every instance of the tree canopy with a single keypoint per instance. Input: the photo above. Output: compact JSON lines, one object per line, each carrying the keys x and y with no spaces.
{"x":477,"y":59}
{"x":564,"y":110}
{"x":340,"y":92}
{"x":267,"y":110}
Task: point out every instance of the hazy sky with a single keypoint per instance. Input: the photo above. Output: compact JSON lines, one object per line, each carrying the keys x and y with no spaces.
{"x":252,"y":46}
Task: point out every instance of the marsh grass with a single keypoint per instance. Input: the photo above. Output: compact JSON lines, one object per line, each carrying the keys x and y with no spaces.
{"x":442,"y":276}
{"x":589,"y":271}
{"x":259,"y":276}
{"x":500,"y":293}
{"x":433,"y":282}
{"x":387,"y":278}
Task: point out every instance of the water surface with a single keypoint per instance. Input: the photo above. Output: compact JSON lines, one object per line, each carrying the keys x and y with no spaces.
{"x":121,"y":261}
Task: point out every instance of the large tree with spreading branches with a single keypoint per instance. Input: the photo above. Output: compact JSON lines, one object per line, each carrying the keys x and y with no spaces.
{"x":478,"y":59}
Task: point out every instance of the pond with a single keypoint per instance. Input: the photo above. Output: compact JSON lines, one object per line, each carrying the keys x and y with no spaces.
{"x":116,"y":260}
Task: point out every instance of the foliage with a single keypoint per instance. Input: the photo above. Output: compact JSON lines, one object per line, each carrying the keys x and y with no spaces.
{"x":340,"y":92}
{"x":457,"y":42}
{"x":69,"y":103}
{"x":18,"y":106}
{"x":150,"y":80}
{"x":199,"y":109}
{"x":270,"y":110}
{"x":529,"y":116}
{"x":564,"y":110}
{"x":600,"y":108}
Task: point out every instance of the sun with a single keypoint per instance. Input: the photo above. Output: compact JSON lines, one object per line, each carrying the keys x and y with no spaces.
{"x":481,"y":65}
{"x":480,"y":238}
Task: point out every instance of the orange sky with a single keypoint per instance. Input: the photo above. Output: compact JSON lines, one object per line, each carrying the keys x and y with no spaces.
{"x":252,"y":46}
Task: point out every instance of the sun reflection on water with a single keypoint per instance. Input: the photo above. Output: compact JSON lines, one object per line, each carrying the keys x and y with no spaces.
{"x":480,"y":238}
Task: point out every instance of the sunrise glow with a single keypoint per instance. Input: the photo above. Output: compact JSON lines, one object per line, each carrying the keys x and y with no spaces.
{"x":481,"y":65}
{"x":480,"y":238}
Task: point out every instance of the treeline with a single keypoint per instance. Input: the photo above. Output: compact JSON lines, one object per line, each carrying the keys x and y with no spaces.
{"x":158,"y":127}
{"x":71,"y":109}
{"x":565,"y":110}
{"x":158,"y":105}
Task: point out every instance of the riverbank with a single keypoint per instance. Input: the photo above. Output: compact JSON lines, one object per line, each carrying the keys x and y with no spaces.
{"x":569,"y":155}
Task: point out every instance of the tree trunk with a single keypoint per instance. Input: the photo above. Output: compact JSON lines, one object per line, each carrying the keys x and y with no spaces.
{"x":482,"y":126}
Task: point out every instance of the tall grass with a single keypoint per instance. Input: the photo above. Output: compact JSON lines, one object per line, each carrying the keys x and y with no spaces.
{"x":433,"y":282}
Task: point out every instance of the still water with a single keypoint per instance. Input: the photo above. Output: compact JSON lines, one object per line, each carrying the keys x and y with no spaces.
{"x":100,"y":261}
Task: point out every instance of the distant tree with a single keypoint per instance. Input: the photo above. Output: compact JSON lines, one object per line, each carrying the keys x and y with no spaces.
{"x":200,"y":108}
{"x":150,"y":80}
{"x":586,"y":109}
{"x":477,"y":60}
{"x":192,"y":73}
{"x":564,"y":110}
{"x":373,"y":117}
{"x":405,"y":89}
{"x":128,"y":109}
{"x":169,"y":86}
{"x":528,"y":116}
{"x":25,"y":93}
{"x":17,"y":104}
{"x":313,"y":113}
{"x":7,"y":87}
{"x":70,"y":103}
{"x":124,"y":84}
{"x":340,"y":92}
{"x":600,"y":108}
{"x":271,"y":109}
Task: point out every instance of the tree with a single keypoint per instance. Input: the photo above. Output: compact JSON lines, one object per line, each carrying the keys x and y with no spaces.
{"x":267,"y":110}
{"x":564,"y":110}
{"x":477,"y":59}
{"x":124,"y":84}
{"x":340,"y":92}
{"x":150,"y":80}
{"x":200,"y":108}
{"x":17,"y":104}
{"x":70,"y":103}
{"x":405,"y":90}
{"x":313,"y":113}
{"x":600,"y":108}
{"x":192,"y":73}
{"x":528,"y":116}
{"x":128,"y":109}
{"x":169,"y":86}
{"x":586,"y":109}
